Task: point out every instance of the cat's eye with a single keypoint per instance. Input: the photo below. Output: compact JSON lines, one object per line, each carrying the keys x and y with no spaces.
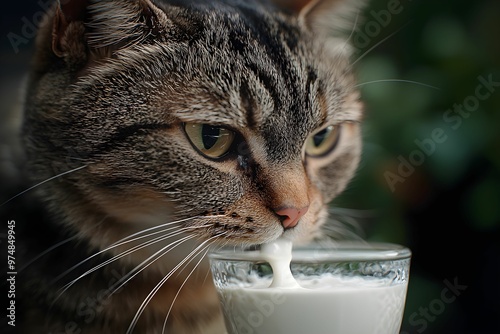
{"x":212,"y":141}
{"x":323,"y":141}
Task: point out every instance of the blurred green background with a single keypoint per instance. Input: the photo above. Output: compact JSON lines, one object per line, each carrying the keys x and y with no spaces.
{"x":441,"y":198}
{"x":444,"y":203}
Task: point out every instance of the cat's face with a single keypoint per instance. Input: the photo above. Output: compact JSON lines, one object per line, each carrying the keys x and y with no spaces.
{"x":241,"y":124}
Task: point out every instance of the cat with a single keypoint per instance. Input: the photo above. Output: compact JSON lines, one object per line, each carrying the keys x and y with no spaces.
{"x":156,"y":130}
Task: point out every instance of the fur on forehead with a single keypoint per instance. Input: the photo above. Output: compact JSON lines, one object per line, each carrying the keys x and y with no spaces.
{"x":115,"y":24}
{"x":103,"y":26}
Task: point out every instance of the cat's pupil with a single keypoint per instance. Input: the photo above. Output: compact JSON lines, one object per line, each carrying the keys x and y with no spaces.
{"x":319,"y":138}
{"x":210,"y":135}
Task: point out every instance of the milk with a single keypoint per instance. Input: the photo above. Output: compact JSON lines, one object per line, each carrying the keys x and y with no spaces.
{"x":324,"y":305}
{"x":334,"y":308}
{"x":279,"y":256}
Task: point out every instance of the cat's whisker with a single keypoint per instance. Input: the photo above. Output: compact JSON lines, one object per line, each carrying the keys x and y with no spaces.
{"x":342,"y":234}
{"x":150,"y":296}
{"x":150,"y":260}
{"x":206,"y":276}
{"x":347,"y":41}
{"x":59,"y":244}
{"x":352,"y":217}
{"x":347,"y":228}
{"x":398,"y":81}
{"x":53,"y":247}
{"x":43,"y":182}
{"x":125,"y":240}
{"x":357,"y":213}
{"x":137,"y":247}
{"x":378,"y":43}
{"x":154,"y":228}
{"x":119,"y":256}
{"x":183,"y":220}
{"x":206,"y":249}
{"x":354,"y":224}
{"x":350,"y":222}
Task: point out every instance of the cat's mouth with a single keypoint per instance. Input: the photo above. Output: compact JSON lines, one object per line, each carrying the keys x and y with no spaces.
{"x":237,"y":228}
{"x":222,"y":228}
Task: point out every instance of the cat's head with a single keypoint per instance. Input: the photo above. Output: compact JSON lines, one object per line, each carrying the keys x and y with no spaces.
{"x":237,"y":118}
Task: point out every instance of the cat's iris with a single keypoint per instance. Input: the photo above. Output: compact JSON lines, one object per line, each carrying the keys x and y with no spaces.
{"x":212,"y":141}
{"x":323,"y":141}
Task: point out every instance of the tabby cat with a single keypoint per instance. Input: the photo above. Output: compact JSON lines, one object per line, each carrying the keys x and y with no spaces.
{"x":160,"y":129}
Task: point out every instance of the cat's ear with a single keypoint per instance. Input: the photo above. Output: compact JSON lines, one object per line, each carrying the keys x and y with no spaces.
{"x":326,"y":17}
{"x":103,"y":26}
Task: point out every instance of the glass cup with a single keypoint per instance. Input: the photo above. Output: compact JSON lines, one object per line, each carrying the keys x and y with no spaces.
{"x":348,"y":288}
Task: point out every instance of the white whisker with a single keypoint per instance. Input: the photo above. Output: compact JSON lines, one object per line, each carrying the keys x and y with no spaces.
{"x":183,"y":283}
{"x":346,"y":43}
{"x":353,"y":27}
{"x":380,"y":42}
{"x":59,"y":244}
{"x":206,"y":276}
{"x":117,"y":257}
{"x":150,"y":296}
{"x":155,"y":228}
{"x":144,"y":264}
{"x":129,"y":251}
{"x":336,"y":233}
{"x":397,"y":80}
{"x":124,"y":241}
{"x":357,"y":213}
{"x":343,"y":223}
{"x":43,"y":182}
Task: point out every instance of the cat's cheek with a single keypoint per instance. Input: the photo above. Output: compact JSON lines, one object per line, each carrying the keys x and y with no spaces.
{"x":135,"y":206}
{"x":336,"y":177}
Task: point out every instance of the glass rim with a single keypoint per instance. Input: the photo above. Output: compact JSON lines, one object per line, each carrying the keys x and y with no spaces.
{"x":339,"y":251}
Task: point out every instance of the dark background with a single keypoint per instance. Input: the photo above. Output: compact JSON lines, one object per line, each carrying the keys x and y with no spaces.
{"x":446,"y":206}
{"x":447,"y":210}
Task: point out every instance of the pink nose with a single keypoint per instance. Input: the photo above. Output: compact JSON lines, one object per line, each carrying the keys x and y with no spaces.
{"x":291,"y":216}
